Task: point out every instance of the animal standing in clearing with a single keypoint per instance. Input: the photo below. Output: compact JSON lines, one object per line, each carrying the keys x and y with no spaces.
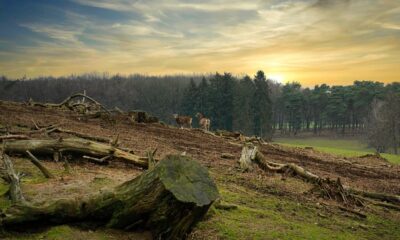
{"x":203,"y":121}
{"x":183,"y":121}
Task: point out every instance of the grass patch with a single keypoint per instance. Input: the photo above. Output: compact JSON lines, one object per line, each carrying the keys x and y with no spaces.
{"x":271,"y":217}
{"x":342,"y":147}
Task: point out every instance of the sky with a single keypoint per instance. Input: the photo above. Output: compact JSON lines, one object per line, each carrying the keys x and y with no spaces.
{"x":308,"y":41}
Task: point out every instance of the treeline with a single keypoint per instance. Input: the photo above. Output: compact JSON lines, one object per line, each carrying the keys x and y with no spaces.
{"x":341,"y":109}
{"x":252,"y":105}
{"x":232,"y":104}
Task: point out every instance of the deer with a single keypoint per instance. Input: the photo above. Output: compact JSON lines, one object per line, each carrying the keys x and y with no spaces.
{"x":203,"y":121}
{"x":183,"y":121}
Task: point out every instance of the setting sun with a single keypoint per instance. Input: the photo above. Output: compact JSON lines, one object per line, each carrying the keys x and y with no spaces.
{"x":276,"y":77}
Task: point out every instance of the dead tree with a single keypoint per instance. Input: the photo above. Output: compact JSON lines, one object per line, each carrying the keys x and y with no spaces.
{"x":332,"y":189}
{"x":68,"y":103}
{"x":167,"y":200}
{"x":14,"y":179}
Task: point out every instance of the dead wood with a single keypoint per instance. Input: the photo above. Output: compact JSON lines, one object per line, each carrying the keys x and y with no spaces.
{"x":14,"y":180}
{"x":230,"y":135}
{"x":13,"y":136}
{"x":357,"y":213}
{"x":167,"y":200}
{"x":81,"y":135}
{"x":37,"y":163}
{"x":227,"y":156}
{"x":98,"y":160}
{"x":378,"y":196}
{"x":73,"y":145}
{"x":68,"y":103}
{"x":326,"y":188}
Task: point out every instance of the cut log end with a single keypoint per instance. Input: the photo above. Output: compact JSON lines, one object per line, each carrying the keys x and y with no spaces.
{"x":187,"y":180}
{"x":168,"y":200}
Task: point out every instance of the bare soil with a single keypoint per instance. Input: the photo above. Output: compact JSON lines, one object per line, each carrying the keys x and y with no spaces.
{"x":369,"y":173}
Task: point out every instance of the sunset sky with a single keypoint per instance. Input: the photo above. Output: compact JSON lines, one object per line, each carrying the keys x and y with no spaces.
{"x":310,"y":41}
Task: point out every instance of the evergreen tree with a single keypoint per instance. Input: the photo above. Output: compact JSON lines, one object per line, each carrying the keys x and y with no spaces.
{"x":221,"y":101}
{"x":244,"y":116}
{"x":262,"y":109}
{"x":203,"y":97}
{"x":190,"y":98}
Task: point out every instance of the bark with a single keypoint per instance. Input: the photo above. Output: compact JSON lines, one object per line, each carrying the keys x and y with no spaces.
{"x":37,"y":163}
{"x":13,"y":136}
{"x":14,"y":180}
{"x":248,"y":154}
{"x":73,"y":145}
{"x":167,"y":200}
{"x":81,"y":135}
{"x":378,"y":196}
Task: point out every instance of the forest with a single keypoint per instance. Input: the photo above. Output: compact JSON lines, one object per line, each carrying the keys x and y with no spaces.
{"x":251,"y":105}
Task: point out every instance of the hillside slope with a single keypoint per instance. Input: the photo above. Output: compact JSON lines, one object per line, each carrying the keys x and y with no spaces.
{"x":269,"y":206}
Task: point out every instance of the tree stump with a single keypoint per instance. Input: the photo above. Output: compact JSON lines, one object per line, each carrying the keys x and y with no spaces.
{"x":167,"y":200}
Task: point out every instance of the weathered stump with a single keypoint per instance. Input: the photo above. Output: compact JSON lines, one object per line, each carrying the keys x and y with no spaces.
{"x":167,"y":200}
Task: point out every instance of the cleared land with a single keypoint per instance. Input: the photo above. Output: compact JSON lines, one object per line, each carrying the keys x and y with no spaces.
{"x":269,"y":206}
{"x":342,"y":147}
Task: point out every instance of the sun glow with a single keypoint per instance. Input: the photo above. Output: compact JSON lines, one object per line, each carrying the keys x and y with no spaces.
{"x":276,"y":77}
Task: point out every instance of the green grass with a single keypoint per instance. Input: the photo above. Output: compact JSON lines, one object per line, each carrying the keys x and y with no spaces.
{"x":342,"y":147}
{"x":272,"y":217}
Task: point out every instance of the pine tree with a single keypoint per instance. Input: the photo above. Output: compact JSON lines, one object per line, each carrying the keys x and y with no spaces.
{"x":189,"y":101}
{"x":262,"y":109}
{"x":243,"y":112}
{"x":221,"y":101}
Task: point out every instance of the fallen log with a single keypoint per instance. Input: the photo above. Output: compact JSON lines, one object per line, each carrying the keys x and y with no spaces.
{"x":326,"y":187}
{"x":81,"y":135}
{"x":329,"y":188}
{"x":378,"y":196}
{"x":167,"y":200}
{"x":72,"y":145}
{"x":13,"y":136}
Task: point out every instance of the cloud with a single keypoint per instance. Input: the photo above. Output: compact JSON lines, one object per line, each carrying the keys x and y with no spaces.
{"x":57,"y":32}
{"x":298,"y":38}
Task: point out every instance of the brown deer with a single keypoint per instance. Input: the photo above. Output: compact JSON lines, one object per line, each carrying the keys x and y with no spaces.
{"x":203,"y":121}
{"x":183,"y":121}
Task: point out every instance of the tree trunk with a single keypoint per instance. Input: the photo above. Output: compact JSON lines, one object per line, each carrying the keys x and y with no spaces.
{"x":14,"y":179}
{"x":167,"y":200}
{"x":77,"y":145}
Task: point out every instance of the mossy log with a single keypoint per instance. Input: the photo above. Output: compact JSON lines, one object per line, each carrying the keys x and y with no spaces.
{"x":74,"y":145}
{"x":166,"y":200}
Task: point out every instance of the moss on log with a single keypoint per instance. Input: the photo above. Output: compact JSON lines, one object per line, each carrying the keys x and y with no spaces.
{"x":167,"y":200}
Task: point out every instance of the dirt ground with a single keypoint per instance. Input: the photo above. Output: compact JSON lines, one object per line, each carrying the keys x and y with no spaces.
{"x":368,"y":173}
